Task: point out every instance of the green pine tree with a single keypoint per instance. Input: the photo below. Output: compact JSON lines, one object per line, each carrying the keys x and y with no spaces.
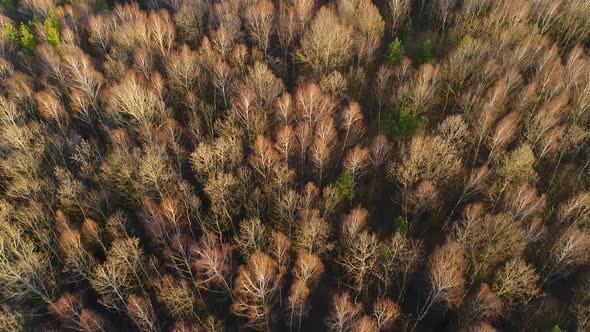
{"x":395,"y":52}
{"x":424,"y":53}
{"x":404,"y":123}
{"x":27,"y":38}
{"x":400,"y":226}
{"x":53,"y":27}
{"x":345,"y":185}
{"x":408,"y":31}
{"x":6,"y":3}
{"x":100,"y":5}
{"x":11,"y":33}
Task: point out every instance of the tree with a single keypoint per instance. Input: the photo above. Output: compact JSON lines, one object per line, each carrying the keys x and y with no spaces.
{"x":68,"y":309}
{"x":253,"y":236}
{"x":398,"y":260}
{"x":132,"y":99}
{"x":386,"y":313}
{"x":426,"y":158}
{"x":356,"y":161}
{"x":255,"y":290}
{"x":77,"y":259}
{"x":424,"y":53}
{"x":358,"y":259}
{"x":26,"y":274}
{"x":567,"y":253}
{"x":365,"y":324}
{"x":523,"y":202}
{"x":285,"y":143}
{"x":101,"y":28}
{"x":212,"y":262}
{"x":367,"y":27}
{"x":380,"y":150}
{"x":483,"y":305}
{"x":52,"y":26}
{"x":265,"y":85}
{"x":142,"y":313}
{"x":82,"y":78}
{"x":344,"y":184}
{"x":190,"y":19}
{"x":313,"y":234}
{"x":28,"y":41}
{"x":398,"y":12}
{"x":404,"y":123}
{"x":352,"y":123}
{"x":487,"y":240}
{"x":177,"y":297}
{"x":312,"y":105}
{"x":122,"y":274}
{"x":446,"y":268}
{"x":517,"y":168}
{"x":307,"y":272}
{"x":515,"y":283}
{"x":503,"y":134}
{"x":395,"y":52}
{"x":344,"y":313}
{"x":259,"y":22}
{"x":320,"y":156}
{"x":183,"y":70}
{"x":162,"y":31}
{"x":326,"y":44}
{"x":264,"y":157}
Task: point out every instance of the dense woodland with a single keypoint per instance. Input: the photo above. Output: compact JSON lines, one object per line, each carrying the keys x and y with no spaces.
{"x":293,"y":165}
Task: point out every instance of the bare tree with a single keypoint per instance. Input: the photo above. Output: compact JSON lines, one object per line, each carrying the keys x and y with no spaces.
{"x":312,"y":235}
{"x":515,"y":283}
{"x":120,"y":275}
{"x":326,"y":44}
{"x":177,"y":297}
{"x":503,"y":134}
{"x":352,"y":123}
{"x":358,"y":261}
{"x":482,"y":305}
{"x":133,"y":99}
{"x":265,"y":85}
{"x":398,"y":12}
{"x":487,"y":240}
{"x":190,"y":18}
{"x":344,"y":313}
{"x":307,"y":272}
{"x":260,"y":23}
{"x":446,"y":268}
{"x":255,"y":290}
{"x":142,"y":313}
{"x":357,"y":161}
{"x":264,"y":157}
{"x":398,"y":260}
{"x":575,"y":210}
{"x":523,"y":202}
{"x":386,"y":313}
{"x":212,"y":262}
{"x":365,"y":324}
{"x":367,"y":26}
{"x":380,"y":150}
{"x":312,"y":105}
{"x":162,"y":31}
{"x":183,"y":70}
{"x":568,"y":252}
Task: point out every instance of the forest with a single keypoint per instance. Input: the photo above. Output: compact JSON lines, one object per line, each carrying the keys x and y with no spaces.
{"x":295,"y":165}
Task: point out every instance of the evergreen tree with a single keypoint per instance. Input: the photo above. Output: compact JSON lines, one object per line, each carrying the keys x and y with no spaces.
{"x":27,"y":37}
{"x":345,"y":185}
{"x":53,"y":25}
{"x":395,"y":52}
